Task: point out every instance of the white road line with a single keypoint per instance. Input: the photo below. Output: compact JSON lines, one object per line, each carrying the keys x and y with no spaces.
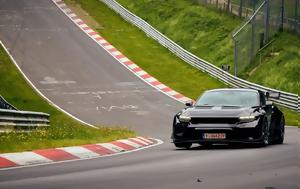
{"x":110,"y":47}
{"x":40,"y":93}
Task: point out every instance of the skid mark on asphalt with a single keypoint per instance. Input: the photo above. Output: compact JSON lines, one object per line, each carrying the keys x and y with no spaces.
{"x":123,"y":107}
{"x":51,"y":80}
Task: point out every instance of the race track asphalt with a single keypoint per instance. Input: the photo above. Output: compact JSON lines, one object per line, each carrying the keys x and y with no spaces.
{"x":82,"y":78}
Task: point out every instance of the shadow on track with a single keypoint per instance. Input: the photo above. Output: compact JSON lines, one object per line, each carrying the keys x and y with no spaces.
{"x":226,"y":147}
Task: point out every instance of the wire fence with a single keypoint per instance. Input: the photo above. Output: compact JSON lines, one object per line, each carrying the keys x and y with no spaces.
{"x":265,"y":18}
{"x":246,"y":8}
{"x":292,"y":15}
{"x":286,"y":99}
{"x":257,"y":32}
{"x":242,"y":8}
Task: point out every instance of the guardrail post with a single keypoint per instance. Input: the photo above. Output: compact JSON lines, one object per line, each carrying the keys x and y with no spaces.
{"x":235,"y":56}
{"x":267,"y":21}
{"x":228,"y":5}
{"x":252,"y":50}
{"x":296,"y":14}
{"x":282,"y":16}
{"x":241,"y":8}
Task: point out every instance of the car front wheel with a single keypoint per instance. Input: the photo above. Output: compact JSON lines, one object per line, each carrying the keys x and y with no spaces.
{"x":265,"y":134}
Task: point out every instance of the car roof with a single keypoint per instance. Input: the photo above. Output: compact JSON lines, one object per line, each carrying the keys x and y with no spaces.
{"x":234,"y":89}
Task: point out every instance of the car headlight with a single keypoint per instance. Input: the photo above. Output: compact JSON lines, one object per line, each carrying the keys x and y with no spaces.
{"x":185,"y":119}
{"x":247,"y":118}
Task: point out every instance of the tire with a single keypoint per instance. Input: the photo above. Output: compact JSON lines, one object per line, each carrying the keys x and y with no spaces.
{"x":265,"y":134}
{"x":185,"y":145}
{"x":280,"y":133}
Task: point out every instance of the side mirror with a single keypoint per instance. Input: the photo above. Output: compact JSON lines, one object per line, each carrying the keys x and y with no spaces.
{"x":274,"y":95}
{"x":269,"y":103}
{"x":189,"y":104}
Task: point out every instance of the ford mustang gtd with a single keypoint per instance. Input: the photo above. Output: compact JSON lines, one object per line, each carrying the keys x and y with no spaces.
{"x":229,"y":116}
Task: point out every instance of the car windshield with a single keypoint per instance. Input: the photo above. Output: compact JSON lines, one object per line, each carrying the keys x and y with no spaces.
{"x":228,"y":98}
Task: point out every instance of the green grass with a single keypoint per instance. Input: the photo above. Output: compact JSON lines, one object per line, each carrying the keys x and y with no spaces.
{"x":282,"y":60}
{"x":151,"y":56}
{"x":144,"y":51}
{"x":292,"y":118}
{"x":64,"y":131}
{"x":206,"y":32}
{"x":201,"y":30}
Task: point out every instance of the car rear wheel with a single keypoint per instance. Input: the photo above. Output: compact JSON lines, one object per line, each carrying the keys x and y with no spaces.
{"x":185,"y":145}
{"x":280,"y":132}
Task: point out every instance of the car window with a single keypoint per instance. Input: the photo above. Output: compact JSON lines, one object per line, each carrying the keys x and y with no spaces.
{"x":228,"y":98}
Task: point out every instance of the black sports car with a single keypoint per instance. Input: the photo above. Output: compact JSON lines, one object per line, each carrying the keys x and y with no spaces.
{"x":229,"y":116}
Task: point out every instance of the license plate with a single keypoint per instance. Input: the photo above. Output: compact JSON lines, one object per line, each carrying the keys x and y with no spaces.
{"x":214,"y":135}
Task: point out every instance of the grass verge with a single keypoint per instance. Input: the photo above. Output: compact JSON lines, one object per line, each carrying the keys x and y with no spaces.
{"x":206,"y":32}
{"x":150,"y":55}
{"x":146,"y":52}
{"x":282,"y":60}
{"x":64,"y":131}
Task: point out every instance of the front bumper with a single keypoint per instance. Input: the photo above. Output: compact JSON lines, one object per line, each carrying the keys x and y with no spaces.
{"x":183,"y":133}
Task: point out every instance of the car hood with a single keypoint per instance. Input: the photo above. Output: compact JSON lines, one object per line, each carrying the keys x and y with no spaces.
{"x":217,"y":111}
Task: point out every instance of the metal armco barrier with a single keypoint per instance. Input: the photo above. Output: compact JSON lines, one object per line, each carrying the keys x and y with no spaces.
{"x":10,"y":116}
{"x":286,"y":99}
{"x":17,"y":118}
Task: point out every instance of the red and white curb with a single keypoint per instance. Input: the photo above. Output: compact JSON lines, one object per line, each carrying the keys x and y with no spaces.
{"x":122,"y":59}
{"x":74,"y":153}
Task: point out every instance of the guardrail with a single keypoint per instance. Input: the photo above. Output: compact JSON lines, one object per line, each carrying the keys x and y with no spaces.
{"x":286,"y":99}
{"x":11,"y":117}
{"x":17,"y":118}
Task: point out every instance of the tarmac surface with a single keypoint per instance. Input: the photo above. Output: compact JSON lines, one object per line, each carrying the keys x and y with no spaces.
{"x":75,"y":73}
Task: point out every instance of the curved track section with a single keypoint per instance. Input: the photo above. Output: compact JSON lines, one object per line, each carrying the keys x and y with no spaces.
{"x":77,"y":74}
{"x":74,"y":72}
